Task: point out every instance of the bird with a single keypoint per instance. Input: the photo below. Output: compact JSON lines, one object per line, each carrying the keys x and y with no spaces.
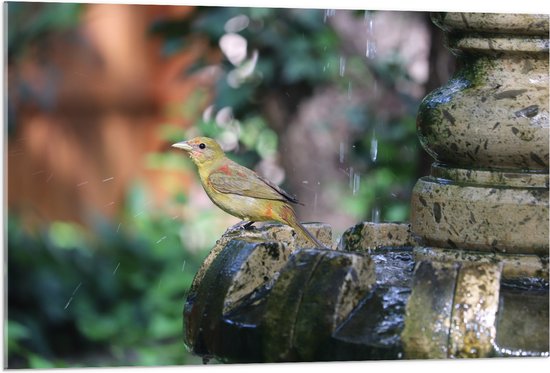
{"x":240,"y":191}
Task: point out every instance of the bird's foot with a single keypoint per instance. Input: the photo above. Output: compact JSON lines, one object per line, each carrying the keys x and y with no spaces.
{"x":249,"y":226}
{"x":240,"y":226}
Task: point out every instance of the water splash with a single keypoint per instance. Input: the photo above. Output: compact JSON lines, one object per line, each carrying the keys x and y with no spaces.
{"x":373,"y":147}
{"x":356,"y":183}
{"x":371,"y":44}
{"x":342,"y":66}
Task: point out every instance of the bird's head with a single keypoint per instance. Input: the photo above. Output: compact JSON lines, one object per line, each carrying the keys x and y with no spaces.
{"x":201,"y":150}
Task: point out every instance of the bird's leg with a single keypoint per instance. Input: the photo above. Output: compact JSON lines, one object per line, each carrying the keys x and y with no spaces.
{"x":249,"y":226}
{"x":242,"y":225}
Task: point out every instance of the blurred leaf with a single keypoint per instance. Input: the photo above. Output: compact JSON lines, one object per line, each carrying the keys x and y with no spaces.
{"x":267,"y":143}
{"x":37,"y":362}
{"x":66,"y":235}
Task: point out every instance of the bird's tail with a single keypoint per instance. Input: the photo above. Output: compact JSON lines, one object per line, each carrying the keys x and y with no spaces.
{"x":292,"y":220}
{"x":307,"y":234}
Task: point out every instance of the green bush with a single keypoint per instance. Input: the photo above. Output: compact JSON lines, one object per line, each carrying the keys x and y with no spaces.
{"x":110,"y":297}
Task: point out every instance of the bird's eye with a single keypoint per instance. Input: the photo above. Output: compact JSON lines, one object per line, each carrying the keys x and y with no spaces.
{"x":202,"y":146}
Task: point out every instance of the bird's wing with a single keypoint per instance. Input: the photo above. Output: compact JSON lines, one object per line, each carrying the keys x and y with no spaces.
{"x":232,"y":178}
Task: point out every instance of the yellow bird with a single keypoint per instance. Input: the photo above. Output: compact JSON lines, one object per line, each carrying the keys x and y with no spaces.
{"x":239,"y":191}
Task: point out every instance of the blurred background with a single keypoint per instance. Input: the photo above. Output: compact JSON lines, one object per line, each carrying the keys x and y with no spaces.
{"x":106,"y":224}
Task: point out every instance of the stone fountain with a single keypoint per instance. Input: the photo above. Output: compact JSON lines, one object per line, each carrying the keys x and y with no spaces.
{"x":468,"y":277}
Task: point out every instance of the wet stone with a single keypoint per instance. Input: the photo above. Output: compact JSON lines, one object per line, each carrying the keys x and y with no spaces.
{"x":366,"y":236}
{"x":240,"y":330}
{"x":283,"y":305}
{"x":428,"y":312}
{"x":514,"y":266}
{"x":484,"y":218}
{"x":284,"y":233}
{"x":336,"y":287}
{"x":315,"y":292}
{"x":522,"y":324}
{"x":475,"y":307}
{"x":227,"y":282}
{"x":373,"y":330}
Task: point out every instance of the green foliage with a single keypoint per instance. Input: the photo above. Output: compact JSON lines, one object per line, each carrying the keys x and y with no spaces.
{"x":113,"y":297}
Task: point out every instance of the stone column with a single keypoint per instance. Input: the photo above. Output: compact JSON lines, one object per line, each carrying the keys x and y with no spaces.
{"x":487,"y":130}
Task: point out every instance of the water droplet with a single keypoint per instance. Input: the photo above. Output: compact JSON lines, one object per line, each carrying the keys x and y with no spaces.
{"x":183,"y":265}
{"x":376,"y":214}
{"x":116,"y":269}
{"x":315,"y":202}
{"x":371,"y":49}
{"x":373,"y":147}
{"x":69,"y":302}
{"x":351,"y":178}
{"x":108,"y":179}
{"x":371,"y":44}
{"x":81,"y":184}
{"x":118,"y":228}
{"x":328,"y":13}
{"x":342,"y":65}
{"x":72,"y":295}
{"x":356,"y":183}
{"x":161,"y":239}
{"x":77,"y":287}
{"x":49,"y":178}
{"x":342,"y":149}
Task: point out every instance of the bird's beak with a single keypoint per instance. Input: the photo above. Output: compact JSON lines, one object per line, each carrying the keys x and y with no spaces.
{"x":183,"y":145}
